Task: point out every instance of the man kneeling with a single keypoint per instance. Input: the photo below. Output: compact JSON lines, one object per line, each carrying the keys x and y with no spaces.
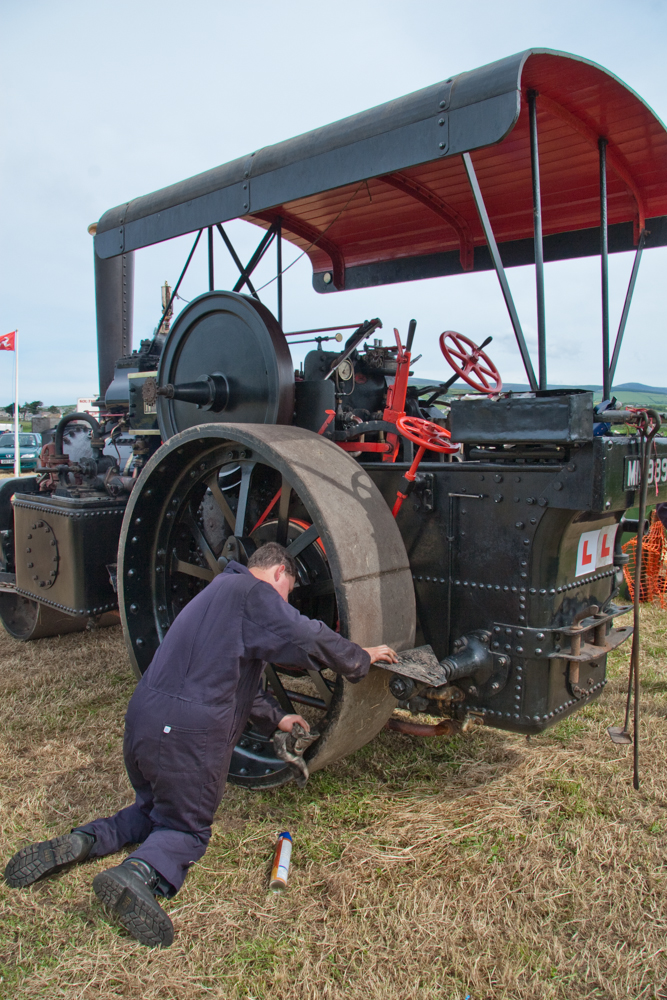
{"x":183,"y":720}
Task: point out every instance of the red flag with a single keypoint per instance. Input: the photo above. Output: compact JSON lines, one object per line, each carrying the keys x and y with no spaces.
{"x":7,"y":341}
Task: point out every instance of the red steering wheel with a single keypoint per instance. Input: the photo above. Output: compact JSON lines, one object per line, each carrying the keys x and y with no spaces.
{"x":468,"y":360}
{"x":426,"y":434}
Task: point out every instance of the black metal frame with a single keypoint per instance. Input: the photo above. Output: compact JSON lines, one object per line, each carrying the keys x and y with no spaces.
{"x":626,"y":306}
{"x":604,"y":269}
{"x":274,"y":231}
{"x":539,"y":243}
{"x":174,"y":292}
{"x":609,"y":365}
{"x":279,"y":269}
{"x":211,"y":266}
{"x":500,"y":270}
{"x":515,"y":253}
{"x":472,"y":111}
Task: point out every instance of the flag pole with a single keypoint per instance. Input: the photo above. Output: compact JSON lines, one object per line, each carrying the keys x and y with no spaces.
{"x":17,"y":450}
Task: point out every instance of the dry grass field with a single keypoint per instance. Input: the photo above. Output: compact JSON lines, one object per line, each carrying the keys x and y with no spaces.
{"x":488,"y":866}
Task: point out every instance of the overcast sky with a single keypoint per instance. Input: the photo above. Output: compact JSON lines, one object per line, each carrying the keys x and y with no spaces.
{"x":102,"y":102}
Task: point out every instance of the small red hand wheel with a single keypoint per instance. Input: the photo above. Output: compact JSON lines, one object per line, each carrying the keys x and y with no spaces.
{"x":429,"y":437}
{"x":426,"y":434}
{"x":469,"y":360}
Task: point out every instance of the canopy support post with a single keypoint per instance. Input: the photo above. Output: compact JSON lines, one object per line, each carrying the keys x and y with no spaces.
{"x":626,"y":307}
{"x":500,"y":270}
{"x":211,"y":277}
{"x":159,"y":337}
{"x":604,"y":269}
{"x":279,"y":270}
{"x":539,"y":244}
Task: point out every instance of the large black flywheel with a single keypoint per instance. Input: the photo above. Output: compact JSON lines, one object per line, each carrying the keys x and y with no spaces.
{"x":216,"y":492}
{"x":233,"y":342}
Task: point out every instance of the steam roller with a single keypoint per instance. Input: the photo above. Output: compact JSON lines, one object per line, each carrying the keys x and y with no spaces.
{"x":478,"y":533}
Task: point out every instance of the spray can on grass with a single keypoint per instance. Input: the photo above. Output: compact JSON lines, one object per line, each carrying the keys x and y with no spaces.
{"x":281,"y":861}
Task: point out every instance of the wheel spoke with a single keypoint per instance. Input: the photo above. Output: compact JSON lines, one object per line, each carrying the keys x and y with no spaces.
{"x":267,"y":511}
{"x":246,"y":473}
{"x":190,"y":569}
{"x":460,"y":343}
{"x":321,"y":685}
{"x":462,"y":340}
{"x":221,"y":500}
{"x":306,"y":699}
{"x":283,"y":512}
{"x":302,"y":542}
{"x":202,"y":544}
{"x":278,"y":689}
{"x":322,"y":588}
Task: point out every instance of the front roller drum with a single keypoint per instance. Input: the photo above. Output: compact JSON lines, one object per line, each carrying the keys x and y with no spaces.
{"x":217,"y":491}
{"x":26,"y":620}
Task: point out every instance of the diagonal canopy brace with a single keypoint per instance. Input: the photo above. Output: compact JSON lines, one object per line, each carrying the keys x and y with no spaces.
{"x":246,"y":271}
{"x":500,"y":270}
{"x":626,"y":307}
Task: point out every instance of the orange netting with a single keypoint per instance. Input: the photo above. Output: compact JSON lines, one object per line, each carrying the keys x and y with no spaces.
{"x":653,"y":585}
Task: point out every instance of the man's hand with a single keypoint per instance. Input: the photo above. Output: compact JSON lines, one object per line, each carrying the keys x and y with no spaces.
{"x":288,"y":721}
{"x":385,"y":653}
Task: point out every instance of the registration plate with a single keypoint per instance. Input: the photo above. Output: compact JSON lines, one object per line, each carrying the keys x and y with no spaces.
{"x":657,"y":472}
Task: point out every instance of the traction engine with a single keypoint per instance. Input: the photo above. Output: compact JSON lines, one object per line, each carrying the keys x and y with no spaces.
{"x":480,"y":536}
{"x":490,"y":534}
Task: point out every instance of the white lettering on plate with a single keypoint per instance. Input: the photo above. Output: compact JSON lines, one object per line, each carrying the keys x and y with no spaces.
{"x":657,"y":471}
{"x":634,"y":468}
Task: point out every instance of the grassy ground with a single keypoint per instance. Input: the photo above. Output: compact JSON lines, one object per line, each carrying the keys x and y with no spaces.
{"x":489,"y":865}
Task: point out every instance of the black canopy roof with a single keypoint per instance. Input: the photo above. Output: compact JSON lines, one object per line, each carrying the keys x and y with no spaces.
{"x":421,"y":219}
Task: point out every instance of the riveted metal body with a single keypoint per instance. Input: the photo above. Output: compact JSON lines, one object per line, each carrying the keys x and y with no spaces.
{"x":502,"y":550}
{"x":555,"y":416}
{"x":63,"y":546}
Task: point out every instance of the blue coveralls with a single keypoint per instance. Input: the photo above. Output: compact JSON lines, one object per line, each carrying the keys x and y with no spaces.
{"x":191,"y":706}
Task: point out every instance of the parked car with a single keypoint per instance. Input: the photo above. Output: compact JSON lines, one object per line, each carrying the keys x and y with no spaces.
{"x":30,"y":446}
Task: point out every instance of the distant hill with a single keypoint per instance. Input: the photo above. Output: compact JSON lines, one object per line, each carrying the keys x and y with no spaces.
{"x":626,"y":393}
{"x":625,"y":387}
{"x":638,"y":387}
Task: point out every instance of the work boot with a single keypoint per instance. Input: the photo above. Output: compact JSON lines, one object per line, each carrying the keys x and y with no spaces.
{"x":37,"y":861}
{"x":129,"y":892}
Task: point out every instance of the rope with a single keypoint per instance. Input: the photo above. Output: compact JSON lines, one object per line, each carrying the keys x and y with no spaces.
{"x":314,"y":243}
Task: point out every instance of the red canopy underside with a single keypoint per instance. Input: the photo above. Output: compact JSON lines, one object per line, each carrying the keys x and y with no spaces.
{"x":429,"y":208}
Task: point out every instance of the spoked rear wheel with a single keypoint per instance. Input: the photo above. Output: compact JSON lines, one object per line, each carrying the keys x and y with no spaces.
{"x":219,"y":490}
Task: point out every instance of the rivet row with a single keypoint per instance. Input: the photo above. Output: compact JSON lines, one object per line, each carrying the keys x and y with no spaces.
{"x":63,"y":607}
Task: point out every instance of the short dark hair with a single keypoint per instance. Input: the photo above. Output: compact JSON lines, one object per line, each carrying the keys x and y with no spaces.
{"x":271,"y":554}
